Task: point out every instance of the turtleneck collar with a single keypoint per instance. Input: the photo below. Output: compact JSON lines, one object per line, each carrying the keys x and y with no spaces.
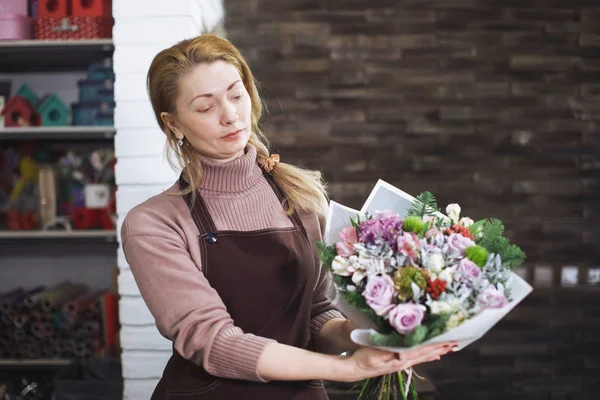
{"x":233,"y":176}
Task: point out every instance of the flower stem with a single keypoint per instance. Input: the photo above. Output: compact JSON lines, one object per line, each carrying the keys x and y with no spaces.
{"x":401,"y":383}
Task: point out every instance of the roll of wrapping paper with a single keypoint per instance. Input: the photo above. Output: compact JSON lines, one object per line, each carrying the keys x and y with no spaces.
{"x":47,"y":182}
{"x":7,"y":299}
{"x":88,"y":329}
{"x":87,"y":301}
{"x":57,"y":298}
{"x":34,"y":300}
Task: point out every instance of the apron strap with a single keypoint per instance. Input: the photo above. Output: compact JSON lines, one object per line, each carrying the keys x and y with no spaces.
{"x":204,"y":221}
{"x":199,"y":211}
{"x":295,"y":217}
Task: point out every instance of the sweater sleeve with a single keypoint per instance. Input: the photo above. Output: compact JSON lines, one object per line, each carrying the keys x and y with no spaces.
{"x":187,"y":310}
{"x":322,"y":309}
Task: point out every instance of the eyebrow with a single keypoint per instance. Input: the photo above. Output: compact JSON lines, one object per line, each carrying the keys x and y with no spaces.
{"x":211,"y":95}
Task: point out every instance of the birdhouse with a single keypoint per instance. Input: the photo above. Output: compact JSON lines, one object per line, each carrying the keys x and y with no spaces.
{"x":19,"y":112}
{"x":52,"y":8}
{"x":52,"y":111}
{"x":91,"y":8}
{"x":28,"y":94}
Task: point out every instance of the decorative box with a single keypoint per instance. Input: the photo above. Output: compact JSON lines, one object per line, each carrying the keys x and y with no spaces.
{"x":93,"y":114}
{"x":15,"y":27}
{"x":18,"y":7}
{"x":73,"y":28}
{"x":96,"y":91}
{"x":52,"y":8}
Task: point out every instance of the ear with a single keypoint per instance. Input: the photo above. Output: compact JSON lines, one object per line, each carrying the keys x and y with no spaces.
{"x":170,"y":121}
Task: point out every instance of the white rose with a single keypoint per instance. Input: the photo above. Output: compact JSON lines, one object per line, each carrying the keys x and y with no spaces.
{"x":466,"y":222}
{"x":446,"y":275}
{"x":341,"y":266}
{"x":434,"y":261}
{"x":453,"y":211}
{"x":440,"y":307}
{"x":455,"y":320}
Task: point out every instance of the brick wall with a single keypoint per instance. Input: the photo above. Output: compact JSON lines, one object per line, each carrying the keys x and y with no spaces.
{"x":494,"y":104}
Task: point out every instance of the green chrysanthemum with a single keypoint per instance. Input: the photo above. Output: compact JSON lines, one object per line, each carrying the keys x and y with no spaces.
{"x":477,"y":254}
{"x":413,"y":224}
{"x":403,"y":278}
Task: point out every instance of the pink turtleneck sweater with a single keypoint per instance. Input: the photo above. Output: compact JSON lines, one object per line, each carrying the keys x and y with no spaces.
{"x":160,"y":241}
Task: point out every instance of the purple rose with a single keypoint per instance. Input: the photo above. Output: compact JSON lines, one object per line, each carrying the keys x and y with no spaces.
{"x":379,"y":294}
{"x":467,"y":270}
{"x":404,"y":318}
{"x":457,"y":244}
{"x":492,"y":298}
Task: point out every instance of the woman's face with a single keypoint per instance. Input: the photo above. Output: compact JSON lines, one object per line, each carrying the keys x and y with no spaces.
{"x":213,"y":111}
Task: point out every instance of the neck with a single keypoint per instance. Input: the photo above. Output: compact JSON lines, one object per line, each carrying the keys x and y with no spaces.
{"x":235,"y":175}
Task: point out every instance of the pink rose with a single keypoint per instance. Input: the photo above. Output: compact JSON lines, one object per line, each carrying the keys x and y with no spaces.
{"x":409,"y":245}
{"x":492,"y":298}
{"x":404,"y":318}
{"x":467,"y":270}
{"x":346,"y":246}
{"x":457,"y":244}
{"x":379,"y":294}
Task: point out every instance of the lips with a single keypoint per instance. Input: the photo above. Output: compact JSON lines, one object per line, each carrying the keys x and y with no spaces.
{"x":233,"y":134}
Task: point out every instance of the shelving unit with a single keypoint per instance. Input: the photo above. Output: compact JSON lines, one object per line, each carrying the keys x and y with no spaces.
{"x":45,"y":257}
{"x":62,"y":132}
{"x":51,"y":55}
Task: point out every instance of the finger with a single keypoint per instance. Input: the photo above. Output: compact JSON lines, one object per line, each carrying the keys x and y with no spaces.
{"x":409,"y":362}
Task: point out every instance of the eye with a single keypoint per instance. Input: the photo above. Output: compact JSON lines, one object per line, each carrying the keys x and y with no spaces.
{"x":205,"y":110}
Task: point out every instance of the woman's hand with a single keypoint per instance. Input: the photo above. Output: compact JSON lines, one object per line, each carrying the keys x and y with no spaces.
{"x":369,"y":362}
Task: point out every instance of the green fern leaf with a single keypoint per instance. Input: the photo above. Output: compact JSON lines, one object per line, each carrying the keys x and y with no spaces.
{"x":326,"y":253}
{"x":424,"y":204}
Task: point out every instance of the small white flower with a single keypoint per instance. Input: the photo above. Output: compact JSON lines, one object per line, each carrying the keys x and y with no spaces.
{"x":351,"y":288}
{"x":440,"y":307}
{"x":466,"y":222}
{"x":358,"y":276}
{"x":341,"y":266}
{"x":434,"y":261}
{"x":447,"y":275}
{"x":453,"y":211}
{"x":455,"y":320}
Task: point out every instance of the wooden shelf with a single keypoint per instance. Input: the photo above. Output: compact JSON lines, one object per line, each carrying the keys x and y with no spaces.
{"x":17,"y":56}
{"x":108,"y":236}
{"x":59,"y":132}
{"x":35,"y":362}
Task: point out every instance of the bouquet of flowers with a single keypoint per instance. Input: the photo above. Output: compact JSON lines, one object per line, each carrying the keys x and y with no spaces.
{"x":416,"y":276}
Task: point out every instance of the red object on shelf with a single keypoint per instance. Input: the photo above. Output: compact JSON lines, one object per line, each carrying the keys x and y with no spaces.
{"x":18,"y":112}
{"x":85,"y":218}
{"x":73,"y":28}
{"x":21,"y":221}
{"x":92,"y":218}
{"x":91,"y":8}
{"x":53,"y":8}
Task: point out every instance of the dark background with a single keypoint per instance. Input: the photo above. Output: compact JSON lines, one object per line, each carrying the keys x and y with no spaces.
{"x":493,"y":104}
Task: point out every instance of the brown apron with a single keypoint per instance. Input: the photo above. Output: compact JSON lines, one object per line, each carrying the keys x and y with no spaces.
{"x":265,"y":279}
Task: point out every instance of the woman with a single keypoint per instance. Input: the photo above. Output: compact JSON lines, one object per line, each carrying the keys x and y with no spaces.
{"x":225,"y":258}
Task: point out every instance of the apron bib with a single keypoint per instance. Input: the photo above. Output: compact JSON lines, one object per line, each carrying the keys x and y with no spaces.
{"x":265,"y":279}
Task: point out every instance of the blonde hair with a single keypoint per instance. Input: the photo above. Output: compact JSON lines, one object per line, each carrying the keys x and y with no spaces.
{"x":302,"y":188}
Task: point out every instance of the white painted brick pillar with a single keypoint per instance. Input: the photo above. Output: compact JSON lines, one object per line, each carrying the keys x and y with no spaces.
{"x":142,"y":29}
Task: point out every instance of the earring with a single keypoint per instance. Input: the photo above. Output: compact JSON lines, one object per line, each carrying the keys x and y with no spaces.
{"x":180,"y":142}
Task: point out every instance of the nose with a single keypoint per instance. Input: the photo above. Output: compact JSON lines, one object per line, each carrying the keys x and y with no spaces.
{"x":229,"y":115}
